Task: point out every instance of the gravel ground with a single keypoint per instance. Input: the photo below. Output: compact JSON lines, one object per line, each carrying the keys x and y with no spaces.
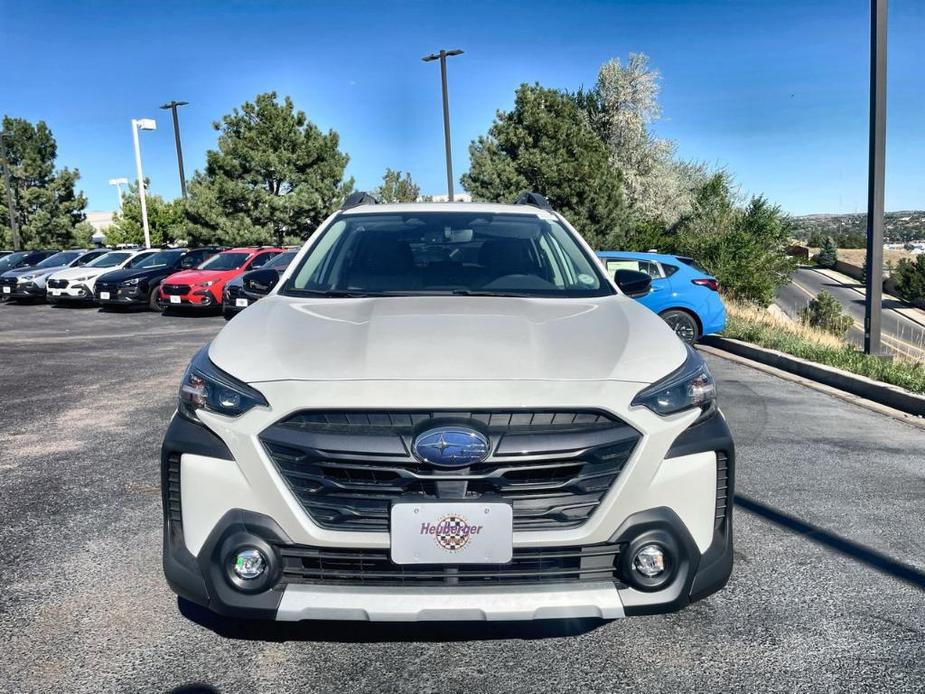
{"x":827,"y":593}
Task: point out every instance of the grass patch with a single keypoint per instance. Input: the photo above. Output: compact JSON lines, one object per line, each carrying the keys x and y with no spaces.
{"x":752,"y":324}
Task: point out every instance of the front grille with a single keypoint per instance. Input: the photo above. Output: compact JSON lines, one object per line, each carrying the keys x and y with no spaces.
{"x":110,"y":287}
{"x":8,"y":281}
{"x":178,"y":289}
{"x":722,"y":489}
{"x":57,"y":284}
{"x":232,"y":291}
{"x":347,"y":468}
{"x":374,"y":567}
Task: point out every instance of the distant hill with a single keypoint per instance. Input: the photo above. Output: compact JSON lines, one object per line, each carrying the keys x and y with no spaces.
{"x":850,"y":230}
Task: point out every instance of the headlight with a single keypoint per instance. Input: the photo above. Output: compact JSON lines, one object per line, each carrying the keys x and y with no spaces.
{"x":26,"y":278}
{"x":206,"y":284}
{"x":131,"y":282}
{"x":207,"y":387}
{"x":83,"y":278}
{"x":690,"y":386}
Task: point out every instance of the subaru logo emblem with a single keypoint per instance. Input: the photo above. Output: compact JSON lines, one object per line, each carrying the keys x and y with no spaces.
{"x":451,"y":447}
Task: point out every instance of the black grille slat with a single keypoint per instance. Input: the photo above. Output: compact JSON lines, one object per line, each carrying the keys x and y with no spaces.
{"x":374,"y":567}
{"x":178,"y":289}
{"x":347,"y":468}
{"x":57,"y":284}
{"x":173,"y":489}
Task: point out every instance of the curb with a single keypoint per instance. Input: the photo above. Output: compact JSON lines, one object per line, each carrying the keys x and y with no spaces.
{"x":861,"y":386}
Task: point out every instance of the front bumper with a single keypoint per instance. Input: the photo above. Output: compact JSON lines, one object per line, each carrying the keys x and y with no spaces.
{"x":23,"y":290}
{"x":122,"y":296}
{"x":79,"y":292}
{"x":702,"y":566}
{"x":198,"y":298}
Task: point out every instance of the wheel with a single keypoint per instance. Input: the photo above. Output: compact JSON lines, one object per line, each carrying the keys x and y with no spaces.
{"x":153,"y":304}
{"x":684,"y":324}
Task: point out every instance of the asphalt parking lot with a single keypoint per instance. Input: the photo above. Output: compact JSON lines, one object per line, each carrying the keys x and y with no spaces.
{"x":828,"y":591}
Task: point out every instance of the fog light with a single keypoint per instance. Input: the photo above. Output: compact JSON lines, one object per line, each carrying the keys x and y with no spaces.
{"x":650,"y":561}
{"x":249,"y":564}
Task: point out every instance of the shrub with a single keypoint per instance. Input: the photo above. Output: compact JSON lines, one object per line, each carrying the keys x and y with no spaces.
{"x":828,"y":254}
{"x":825,"y":313}
{"x":910,"y":279}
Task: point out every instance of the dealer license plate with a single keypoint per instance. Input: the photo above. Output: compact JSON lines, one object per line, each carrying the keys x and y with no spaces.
{"x":55,"y":292}
{"x":241,"y":302}
{"x":174,"y":299}
{"x":6,"y":290}
{"x":104,"y":295}
{"x":452,"y":533}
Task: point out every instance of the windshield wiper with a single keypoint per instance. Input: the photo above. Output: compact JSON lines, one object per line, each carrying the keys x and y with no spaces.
{"x":470,"y":292}
{"x":331,"y":293}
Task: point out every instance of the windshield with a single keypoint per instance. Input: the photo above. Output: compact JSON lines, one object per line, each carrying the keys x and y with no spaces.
{"x":282,"y":260}
{"x":225,"y":261}
{"x":11,"y":259}
{"x":162,"y":259}
{"x":62,"y":258}
{"x":447,"y":253}
{"x":139,"y":258}
{"x":110,"y":259}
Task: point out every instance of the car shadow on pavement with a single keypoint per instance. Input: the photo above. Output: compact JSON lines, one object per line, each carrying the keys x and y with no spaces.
{"x":375,"y":632}
{"x":874,"y":559}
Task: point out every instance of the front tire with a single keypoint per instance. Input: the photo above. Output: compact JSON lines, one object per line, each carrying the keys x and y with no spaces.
{"x":153,"y":304}
{"x":684,"y":324}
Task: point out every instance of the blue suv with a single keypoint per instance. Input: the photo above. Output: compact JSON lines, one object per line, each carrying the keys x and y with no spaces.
{"x":683,"y":294}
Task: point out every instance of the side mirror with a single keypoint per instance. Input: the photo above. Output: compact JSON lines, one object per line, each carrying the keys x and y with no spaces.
{"x":633,"y":284}
{"x":260,"y":281}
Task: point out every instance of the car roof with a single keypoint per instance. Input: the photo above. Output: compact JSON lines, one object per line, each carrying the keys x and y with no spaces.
{"x":452,"y":207}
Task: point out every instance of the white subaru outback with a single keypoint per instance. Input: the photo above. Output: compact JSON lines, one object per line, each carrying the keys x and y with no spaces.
{"x":446,"y":412}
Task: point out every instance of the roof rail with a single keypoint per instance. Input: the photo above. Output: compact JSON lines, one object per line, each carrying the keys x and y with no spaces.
{"x":534,"y":199}
{"x":358,"y":198}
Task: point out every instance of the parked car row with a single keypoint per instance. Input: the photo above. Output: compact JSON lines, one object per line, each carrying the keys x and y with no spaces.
{"x":192,"y":278}
{"x":212,"y":277}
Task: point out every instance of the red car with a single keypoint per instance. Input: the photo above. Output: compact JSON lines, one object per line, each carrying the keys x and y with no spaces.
{"x":202,"y":286}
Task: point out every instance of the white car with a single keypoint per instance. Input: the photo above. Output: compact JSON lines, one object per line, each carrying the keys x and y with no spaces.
{"x":446,"y":412}
{"x":77,"y":283}
{"x":28,"y":283}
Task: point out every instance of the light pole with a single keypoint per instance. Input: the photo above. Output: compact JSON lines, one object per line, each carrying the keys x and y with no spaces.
{"x":142,"y":124}
{"x":875,"y":175}
{"x":442,"y":56}
{"x":10,"y":199}
{"x":118,"y":183}
{"x":176,"y":134}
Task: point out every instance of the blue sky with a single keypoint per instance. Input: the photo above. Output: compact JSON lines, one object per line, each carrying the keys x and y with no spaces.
{"x":774,"y":91}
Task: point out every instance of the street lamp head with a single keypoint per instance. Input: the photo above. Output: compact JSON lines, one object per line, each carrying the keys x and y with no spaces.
{"x":118,"y":181}
{"x":146,"y":124}
{"x":436,"y":56}
{"x":174,"y":104}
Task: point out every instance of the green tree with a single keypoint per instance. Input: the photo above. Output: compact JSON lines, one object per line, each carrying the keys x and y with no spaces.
{"x":274,"y":177}
{"x":397,"y":188}
{"x":746,"y":249}
{"x":166,"y":219}
{"x":546,"y":145}
{"x":48,"y":207}
{"x":825,"y":313}
{"x":910,"y":279}
{"x":621,"y":109}
{"x":828,"y":253}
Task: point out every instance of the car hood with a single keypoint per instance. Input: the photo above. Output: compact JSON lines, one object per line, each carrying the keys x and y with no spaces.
{"x":32,"y":270}
{"x":73,"y":273}
{"x":194,"y":276}
{"x":128,"y":274}
{"x":446,"y":339}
